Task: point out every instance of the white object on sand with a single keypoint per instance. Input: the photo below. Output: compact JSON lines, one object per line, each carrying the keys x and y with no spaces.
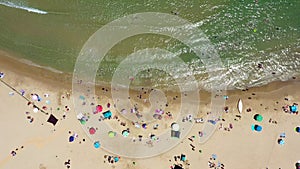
{"x":80,"y":116}
{"x":35,"y":110}
{"x":35,"y":97}
{"x":175,"y":127}
{"x":240,"y":106}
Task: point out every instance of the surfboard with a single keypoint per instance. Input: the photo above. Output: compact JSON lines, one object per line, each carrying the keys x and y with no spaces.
{"x":240,"y":106}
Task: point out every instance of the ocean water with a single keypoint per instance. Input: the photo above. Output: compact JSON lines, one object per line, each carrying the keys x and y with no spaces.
{"x":245,"y":33}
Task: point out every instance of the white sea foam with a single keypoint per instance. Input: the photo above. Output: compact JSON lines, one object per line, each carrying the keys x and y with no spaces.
{"x":12,"y":5}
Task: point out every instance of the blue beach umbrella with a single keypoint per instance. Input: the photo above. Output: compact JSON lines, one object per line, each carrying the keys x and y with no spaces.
{"x":71,"y":138}
{"x":107,"y":114}
{"x":297,"y":129}
{"x":97,"y":144}
{"x":256,"y":127}
{"x":281,"y":141}
{"x":294,"y":108}
{"x":116,"y":159}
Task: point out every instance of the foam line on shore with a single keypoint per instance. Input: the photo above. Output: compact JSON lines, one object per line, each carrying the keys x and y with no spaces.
{"x":33,"y":10}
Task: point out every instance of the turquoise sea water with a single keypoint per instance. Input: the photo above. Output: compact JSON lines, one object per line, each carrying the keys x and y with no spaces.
{"x":245,"y":33}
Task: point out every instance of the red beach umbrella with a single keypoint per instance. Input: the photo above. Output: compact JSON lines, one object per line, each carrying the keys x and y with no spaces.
{"x":92,"y":130}
{"x":99,"y":108}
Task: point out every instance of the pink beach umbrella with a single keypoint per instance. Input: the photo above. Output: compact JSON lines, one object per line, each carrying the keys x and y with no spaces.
{"x":99,"y":108}
{"x":92,"y":130}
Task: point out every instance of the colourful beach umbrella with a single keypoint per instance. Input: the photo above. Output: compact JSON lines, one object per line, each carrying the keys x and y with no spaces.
{"x":258,"y":117}
{"x":92,"y":130}
{"x":97,"y":144}
{"x":99,"y":108}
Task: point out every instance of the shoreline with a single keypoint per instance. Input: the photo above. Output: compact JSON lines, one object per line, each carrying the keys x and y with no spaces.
{"x":55,"y":77}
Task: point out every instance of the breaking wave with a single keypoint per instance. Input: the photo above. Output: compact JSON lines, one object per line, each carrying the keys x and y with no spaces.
{"x":12,"y":5}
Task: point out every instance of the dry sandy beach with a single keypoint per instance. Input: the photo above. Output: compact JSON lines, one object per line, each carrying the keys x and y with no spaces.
{"x":28,"y":141}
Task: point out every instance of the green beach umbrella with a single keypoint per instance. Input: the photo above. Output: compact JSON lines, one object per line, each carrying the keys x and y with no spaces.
{"x":258,"y":117}
{"x":82,"y":122}
{"x":111,"y":134}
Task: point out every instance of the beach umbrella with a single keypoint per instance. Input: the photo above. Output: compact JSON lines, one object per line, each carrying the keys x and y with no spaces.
{"x":175,"y":126}
{"x":281,"y":141}
{"x":116,"y":159}
{"x":125,"y":133}
{"x":144,"y":126}
{"x":107,"y":114}
{"x":92,"y":130}
{"x":35,"y":110}
{"x":83,"y":122}
{"x":96,"y":144}
{"x":298,"y":165}
{"x":99,"y":108}
{"x":81,"y":97}
{"x":297,"y":129}
{"x":34,"y":97}
{"x":294,"y":108}
{"x":111,"y":134}
{"x":2,"y":75}
{"x":256,"y":128}
{"x":71,"y":138}
{"x":258,"y":117}
{"x":152,"y":137}
{"x":183,"y":157}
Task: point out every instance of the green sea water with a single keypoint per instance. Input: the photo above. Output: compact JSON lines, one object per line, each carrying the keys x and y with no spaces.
{"x":245,"y":33}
